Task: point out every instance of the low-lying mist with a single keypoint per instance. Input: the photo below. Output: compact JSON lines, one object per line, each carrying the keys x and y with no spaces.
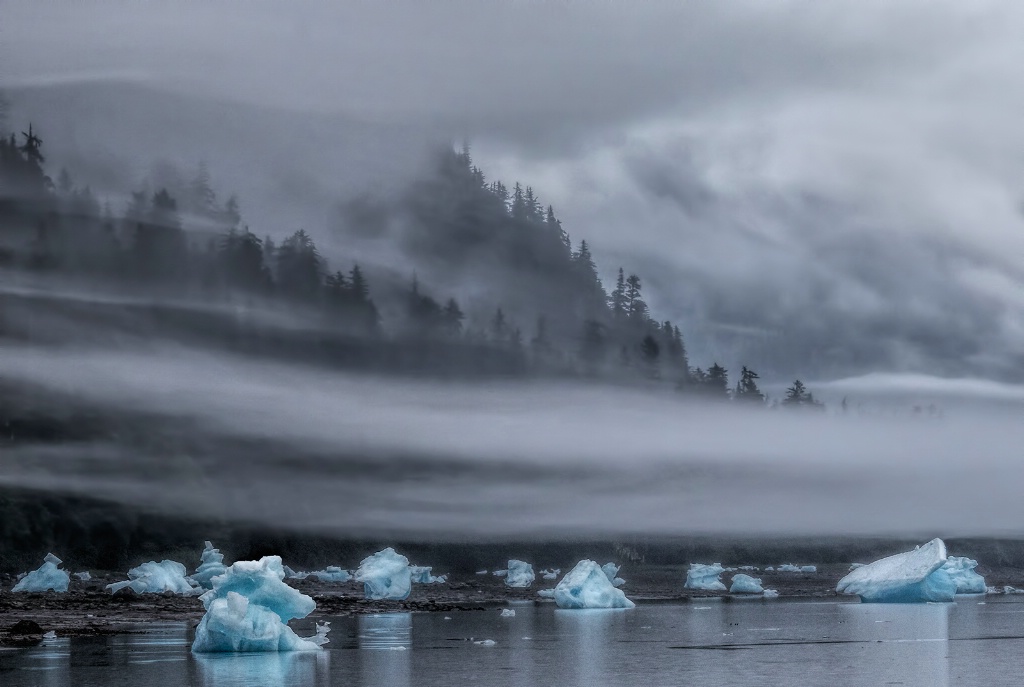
{"x":314,"y":449}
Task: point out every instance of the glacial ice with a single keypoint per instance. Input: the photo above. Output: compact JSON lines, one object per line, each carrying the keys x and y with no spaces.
{"x":46,"y":577}
{"x":808,"y":568}
{"x":508,"y":613}
{"x":961,"y":569}
{"x":587,"y":586}
{"x":248,"y":610}
{"x":705,"y":577}
{"x":156,"y":578}
{"x":745,"y":584}
{"x":520,"y":574}
{"x":611,"y":570}
{"x":83,"y":576}
{"x":546,"y":593}
{"x":293,"y":575}
{"x":771,"y":594}
{"x":481,"y":572}
{"x":914,"y":576}
{"x":211,"y":564}
{"x":421,"y":574}
{"x":385,"y":575}
{"x":500,"y":573}
{"x":551,"y":574}
{"x":331,"y":573}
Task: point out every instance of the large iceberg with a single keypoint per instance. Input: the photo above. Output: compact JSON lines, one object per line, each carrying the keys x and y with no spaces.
{"x":745,"y":584}
{"x":705,"y":577}
{"x":520,"y":574}
{"x":914,"y":576}
{"x":331,"y":573}
{"x":211,"y":565}
{"x":587,"y":586}
{"x":612,"y":570}
{"x":48,"y":576}
{"x":248,"y":610}
{"x":385,"y":575}
{"x":967,"y":581}
{"x":156,"y":578}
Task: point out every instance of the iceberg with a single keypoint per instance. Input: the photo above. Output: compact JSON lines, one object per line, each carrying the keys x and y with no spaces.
{"x":961,"y":569}
{"x":551,"y":574}
{"x":771,"y":594}
{"x":508,"y":613}
{"x":156,"y":578}
{"x":914,"y":576}
{"x":211,"y":564}
{"x":705,"y":577}
{"x":331,"y":573}
{"x":520,"y":574}
{"x":83,"y":576}
{"x":248,"y":610}
{"x":611,"y":570}
{"x":745,"y":584}
{"x":385,"y":575}
{"x":587,"y":586}
{"x":292,"y":575}
{"x":45,"y":578}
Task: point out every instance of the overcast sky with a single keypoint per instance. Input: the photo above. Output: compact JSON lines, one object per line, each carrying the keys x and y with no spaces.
{"x":850,"y":172}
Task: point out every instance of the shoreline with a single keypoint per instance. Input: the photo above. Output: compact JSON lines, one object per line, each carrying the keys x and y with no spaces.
{"x":88,"y":609}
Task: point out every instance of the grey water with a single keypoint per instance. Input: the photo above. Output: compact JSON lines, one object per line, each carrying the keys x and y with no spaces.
{"x":976,"y":641}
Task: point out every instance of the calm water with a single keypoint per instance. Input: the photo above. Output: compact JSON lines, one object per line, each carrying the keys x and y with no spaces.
{"x":972,"y":642}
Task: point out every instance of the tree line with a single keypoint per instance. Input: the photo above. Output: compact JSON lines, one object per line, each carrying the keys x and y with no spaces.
{"x":548,"y":314}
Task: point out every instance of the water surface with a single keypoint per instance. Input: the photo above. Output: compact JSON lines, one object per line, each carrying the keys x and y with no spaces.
{"x":975,"y":641}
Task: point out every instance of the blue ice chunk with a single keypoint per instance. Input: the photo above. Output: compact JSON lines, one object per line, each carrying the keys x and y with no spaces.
{"x":967,"y":581}
{"x":912,"y":577}
{"x":612,"y":570}
{"x":211,"y":564}
{"x":520,"y":574}
{"x":705,"y":577}
{"x":248,"y":610}
{"x":156,"y":578}
{"x":587,"y":586}
{"x":45,"y":578}
{"x":385,"y":575}
{"x":745,"y":584}
{"x":421,"y":574}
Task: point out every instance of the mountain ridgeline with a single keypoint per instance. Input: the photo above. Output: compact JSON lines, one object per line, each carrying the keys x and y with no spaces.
{"x":537,"y":305}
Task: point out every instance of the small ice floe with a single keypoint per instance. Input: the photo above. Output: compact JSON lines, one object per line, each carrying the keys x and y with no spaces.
{"x":385,"y":575}
{"x":769,"y":569}
{"x":50,"y":635}
{"x":551,"y":574}
{"x":500,"y":573}
{"x":745,"y":584}
{"x":705,"y":577}
{"x":47,"y":577}
{"x":157,"y":578}
{"x":248,"y":609}
{"x":447,"y":617}
{"x":546,"y":593}
{"x":914,"y":576}
{"x":211,"y":564}
{"x":1012,"y":590}
{"x":481,"y":572}
{"x":612,"y":570}
{"x":748,"y":568}
{"x":961,"y":569}
{"x":485,"y":642}
{"x":508,"y":613}
{"x":789,"y":567}
{"x":771,"y":594}
{"x":587,"y":586}
{"x":83,"y":576}
{"x":333,"y":573}
{"x":421,"y":574}
{"x":520,"y":574}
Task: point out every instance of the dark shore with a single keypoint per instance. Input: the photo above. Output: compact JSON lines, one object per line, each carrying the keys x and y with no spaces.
{"x":89,"y":609}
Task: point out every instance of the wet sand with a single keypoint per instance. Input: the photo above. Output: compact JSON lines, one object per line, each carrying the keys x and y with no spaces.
{"x":89,"y":609}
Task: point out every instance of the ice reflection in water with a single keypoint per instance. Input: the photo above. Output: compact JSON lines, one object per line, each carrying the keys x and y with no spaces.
{"x":305,"y":668}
